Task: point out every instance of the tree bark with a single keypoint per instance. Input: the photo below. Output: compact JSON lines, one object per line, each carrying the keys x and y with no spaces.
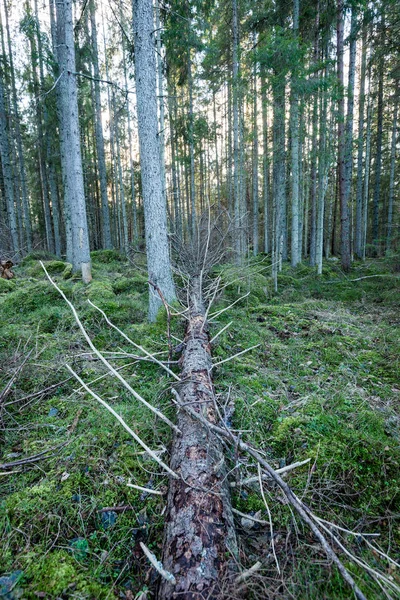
{"x":7,"y":171}
{"x":21,"y":159}
{"x":255,"y":158}
{"x":392,"y":170}
{"x":199,"y":529}
{"x":106,"y":228}
{"x":344,"y":208}
{"x":294,"y":131}
{"x":158,"y":259}
{"x":379,"y":139}
{"x":360,"y":148}
{"x":78,"y":251}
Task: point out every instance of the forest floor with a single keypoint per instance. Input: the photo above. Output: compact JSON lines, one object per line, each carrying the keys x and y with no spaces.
{"x":323,"y":385}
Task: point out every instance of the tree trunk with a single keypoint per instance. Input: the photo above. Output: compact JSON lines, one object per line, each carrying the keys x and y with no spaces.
{"x":367,"y":175}
{"x":21,"y":160}
{"x":392,"y":170}
{"x":191,"y":150}
{"x":236,"y":153}
{"x":360,"y":147}
{"x":158,"y":260}
{"x":348,"y":151}
{"x":294,"y":131}
{"x":278,"y":176}
{"x":344,"y":209}
{"x":78,"y":252}
{"x":255,"y":159}
{"x":379,"y":138}
{"x":265,"y":163}
{"x":106,"y":228}
{"x":7,"y":171}
{"x":199,"y":526}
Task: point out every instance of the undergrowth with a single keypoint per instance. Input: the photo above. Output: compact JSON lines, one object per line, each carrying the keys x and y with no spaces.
{"x":322,"y":384}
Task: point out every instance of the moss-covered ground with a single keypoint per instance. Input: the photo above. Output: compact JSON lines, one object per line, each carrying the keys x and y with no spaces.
{"x":323,"y":384}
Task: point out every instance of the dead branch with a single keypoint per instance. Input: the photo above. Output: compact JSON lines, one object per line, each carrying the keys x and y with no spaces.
{"x":158,"y":565}
{"x":105,"y":361}
{"x":128,"y":339}
{"x":220,"y":362}
{"x":31,"y":459}
{"x":124,"y":425}
{"x":144,"y":489}
{"x":266,"y":477}
{"x":271,"y":528}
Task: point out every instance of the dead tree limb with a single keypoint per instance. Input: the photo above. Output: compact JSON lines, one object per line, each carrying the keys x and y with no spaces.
{"x":200,"y":529}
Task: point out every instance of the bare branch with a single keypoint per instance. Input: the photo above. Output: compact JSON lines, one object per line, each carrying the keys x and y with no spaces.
{"x":124,"y":425}
{"x":128,"y":339}
{"x":157,"y":564}
{"x":105,"y":361}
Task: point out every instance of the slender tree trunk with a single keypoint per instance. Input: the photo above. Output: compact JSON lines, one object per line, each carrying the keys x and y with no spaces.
{"x":191,"y":149}
{"x":392,"y":170}
{"x":322,"y":183}
{"x":265,"y":163}
{"x":367,"y":176}
{"x":106,"y":228}
{"x":217,"y":171}
{"x":7,"y":170}
{"x":348,"y":151}
{"x":175,"y":188}
{"x":278,"y":176}
{"x":378,"y":154}
{"x":21,"y":159}
{"x":78,"y":252}
{"x":158,"y":260}
{"x":131,"y":165}
{"x":255,"y":159}
{"x":360,"y":148}
{"x":344,"y":208}
{"x":236,"y":150}
{"x":294,"y":131}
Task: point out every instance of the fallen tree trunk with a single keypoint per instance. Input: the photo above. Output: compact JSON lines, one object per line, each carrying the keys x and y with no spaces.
{"x":200,"y":541}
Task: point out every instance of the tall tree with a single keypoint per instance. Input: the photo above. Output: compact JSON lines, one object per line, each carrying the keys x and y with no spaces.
{"x":78,"y":251}
{"x":158,"y":258}
{"x":106,"y":228}
{"x":344,"y":208}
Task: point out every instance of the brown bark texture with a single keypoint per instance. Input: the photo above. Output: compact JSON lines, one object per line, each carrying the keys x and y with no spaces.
{"x":200,"y":542}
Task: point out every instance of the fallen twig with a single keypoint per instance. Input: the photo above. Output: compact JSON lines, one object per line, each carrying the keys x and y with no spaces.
{"x":105,"y":361}
{"x":116,"y":508}
{"x":249,"y":517}
{"x":124,"y":425}
{"x":266,"y":477}
{"x":144,"y":489}
{"x":248,"y":573}
{"x":219,"y":332}
{"x":39,"y":393}
{"x":31,"y":459}
{"x":128,"y":339}
{"x":158,"y":565}
{"x":269,"y":519}
{"x":220,"y":362}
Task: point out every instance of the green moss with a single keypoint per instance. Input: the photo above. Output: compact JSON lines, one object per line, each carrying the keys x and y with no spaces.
{"x":67,"y":273}
{"x":107,"y":256}
{"x":7,"y":285}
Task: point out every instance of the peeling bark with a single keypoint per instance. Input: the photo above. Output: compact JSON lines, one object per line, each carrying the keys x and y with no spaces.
{"x":200,"y":539}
